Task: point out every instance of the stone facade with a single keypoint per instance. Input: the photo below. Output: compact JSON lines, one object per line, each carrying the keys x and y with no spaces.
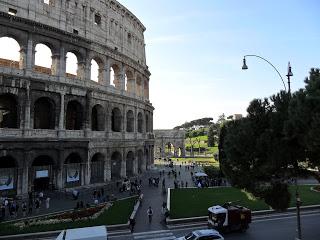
{"x":59,"y":130}
{"x":169,"y":143}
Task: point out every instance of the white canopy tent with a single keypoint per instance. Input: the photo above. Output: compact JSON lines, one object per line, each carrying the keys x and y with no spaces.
{"x":88,"y":233}
{"x":200,"y":174}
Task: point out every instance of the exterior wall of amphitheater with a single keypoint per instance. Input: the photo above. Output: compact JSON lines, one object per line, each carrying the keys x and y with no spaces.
{"x":59,"y":130}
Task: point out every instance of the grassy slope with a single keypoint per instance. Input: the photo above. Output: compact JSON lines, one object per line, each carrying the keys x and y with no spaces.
{"x":195,"y":202}
{"x":119,"y":213}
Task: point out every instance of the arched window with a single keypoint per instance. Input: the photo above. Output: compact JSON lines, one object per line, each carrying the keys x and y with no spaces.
{"x":73,"y":170}
{"x":8,"y":111}
{"x":140,"y":161}
{"x":42,"y":172}
{"x":129,"y":164}
{"x":139,"y":87}
{"x":140,"y":122}
{"x":116,"y":120}
{"x":115,"y":76}
{"x":44,"y":114}
{"x":129,"y":78}
{"x":71,"y":65}
{"x":130,"y":121}
{"x":116,"y":159}
{"x":97,"y":168}
{"x":97,"y":118}
{"x":74,"y":118}
{"x":9,"y":53}
{"x":94,"y":70}
{"x":43,"y":59}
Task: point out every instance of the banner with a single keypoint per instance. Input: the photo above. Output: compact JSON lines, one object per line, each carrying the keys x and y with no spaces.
{"x":6,"y":178}
{"x":42,"y":173}
{"x":73,"y":172}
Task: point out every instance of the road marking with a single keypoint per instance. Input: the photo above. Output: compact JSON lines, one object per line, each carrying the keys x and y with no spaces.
{"x":155,"y":235}
{"x":286,"y":217}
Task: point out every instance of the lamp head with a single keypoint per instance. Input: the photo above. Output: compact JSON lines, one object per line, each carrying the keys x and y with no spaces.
{"x":290,"y":74}
{"x":244,"y":66}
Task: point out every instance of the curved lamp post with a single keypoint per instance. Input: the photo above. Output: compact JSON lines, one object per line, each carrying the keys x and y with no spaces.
{"x":245,"y":67}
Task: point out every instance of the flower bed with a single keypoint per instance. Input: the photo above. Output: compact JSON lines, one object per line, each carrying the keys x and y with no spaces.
{"x":77,"y":215}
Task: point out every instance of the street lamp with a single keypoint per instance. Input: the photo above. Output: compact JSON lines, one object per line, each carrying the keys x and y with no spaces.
{"x":290,"y":74}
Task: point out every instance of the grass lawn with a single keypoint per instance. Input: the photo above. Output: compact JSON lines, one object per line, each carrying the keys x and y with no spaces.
{"x":201,"y":160}
{"x":195,"y":202}
{"x":118,"y":213}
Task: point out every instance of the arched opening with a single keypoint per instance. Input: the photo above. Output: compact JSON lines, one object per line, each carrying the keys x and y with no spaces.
{"x":116,"y":120}
{"x":130,"y":121}
{"x":169,"y":149}
{"x":43,"y":59}
{"x":129,"y":164}
{"x":8,"y":111}
{"x":139,"y":87}
{"x":71,"y":65}
{"x":73,"y":170}
{"x":44,"y":114}
{"x":97,"y":168}
{"x":10,"y":53}
{"x":94,"y":70}
{"x":115,"y":76}
{"x":42,"y":173}
{"x":140,"y":161}
{"x":140,"y":122}
{"x":116,"y":159}
{"x":97,"y":118}
{"x":74,"y":116}
{"x":147,"y":123}
{"x":125,"y":82}
{"x":129,"y":82}
{"x":8,"y":173}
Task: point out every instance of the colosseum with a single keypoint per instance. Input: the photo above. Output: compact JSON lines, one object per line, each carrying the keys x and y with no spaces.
{"x":60,"y":130}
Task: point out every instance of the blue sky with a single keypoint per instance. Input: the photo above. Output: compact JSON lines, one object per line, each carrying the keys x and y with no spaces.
{"x":195,"y":50}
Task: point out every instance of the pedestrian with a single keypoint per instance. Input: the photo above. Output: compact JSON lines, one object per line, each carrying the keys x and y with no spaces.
{"x":150,"y":213}
{"x":47,"y":203}
{"x":132,"y":224}
{"x":24,"y":209}
{"x":37,"y":205}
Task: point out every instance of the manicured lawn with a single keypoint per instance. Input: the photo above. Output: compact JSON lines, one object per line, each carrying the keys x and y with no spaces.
{"x":201,"y":160}
{"x":195,"y":202}
{"x":119,"y":213}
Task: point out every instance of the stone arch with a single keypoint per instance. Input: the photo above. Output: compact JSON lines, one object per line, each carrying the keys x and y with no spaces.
{"x":115,"y":75}
{"x":130,"y":164}
{"x":116,"y":120}
{"x":74,"y":115}
{"x":72,"y":65}
{"x":97,"y":118}
{"x":130,"y":121}
{"x":97,"y":168}
{"x":140,"y":160}
{"x":116,"y":160}
{"x":9,"y":117}
{"x":169,"y":149}
{"x":42,"y":173}
{"x":129,"y":81}
{"x":81,"y":62}
{"x":44,"y":113}
{"x":11,"y":55}
{"x":140,"y":122}
{"x":73,"y":170}
{"x":139,"y":85}
{"x":43,"y":59}
{"x":97,"y":69}
{"x":8,"y":173}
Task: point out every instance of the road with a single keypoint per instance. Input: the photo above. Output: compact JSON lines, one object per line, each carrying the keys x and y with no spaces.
{"x":278,"y":228}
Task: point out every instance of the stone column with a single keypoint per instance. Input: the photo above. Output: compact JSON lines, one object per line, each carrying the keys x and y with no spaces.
{"x":30,"y":56}
{"x":61,"y":115}
{"x":87,"y":122}
{"x":60,"y":181}
{"x":135,"y":162}
{"x":87,"y":171}
{"x":107,"y":72}
{"x":23,"y":57}
{"x":123,"y":172}
{"x":81,"y":72}
{"x":55,"y":66}
{"x":26,"y":125}
{"x":62,"y":63}
{"x":25,"y":174}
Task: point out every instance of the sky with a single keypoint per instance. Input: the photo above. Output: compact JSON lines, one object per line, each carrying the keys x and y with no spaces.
{"x":194,"y":50}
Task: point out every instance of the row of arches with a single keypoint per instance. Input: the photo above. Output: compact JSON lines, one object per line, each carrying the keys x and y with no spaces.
{"x":45,"y":116}
{"x":46,"y":60}
{"x":43,"y":171}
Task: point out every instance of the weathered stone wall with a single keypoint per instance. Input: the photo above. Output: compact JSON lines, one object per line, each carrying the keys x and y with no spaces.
{"x":96,"y":30}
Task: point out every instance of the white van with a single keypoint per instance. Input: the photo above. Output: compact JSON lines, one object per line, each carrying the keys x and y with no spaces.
{"x":87,"y":233}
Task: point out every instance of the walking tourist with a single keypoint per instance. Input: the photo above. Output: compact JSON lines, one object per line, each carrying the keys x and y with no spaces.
{"x":150,"y":213}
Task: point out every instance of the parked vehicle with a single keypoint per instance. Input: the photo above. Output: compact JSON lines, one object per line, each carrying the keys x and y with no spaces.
{"x":229,"y":217}
{"x":87,"y":233}
{"x":208,"y":234}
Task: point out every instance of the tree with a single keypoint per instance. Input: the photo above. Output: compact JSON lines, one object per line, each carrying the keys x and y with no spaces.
{"x":211,"y":136}
{"x":198,"y":140}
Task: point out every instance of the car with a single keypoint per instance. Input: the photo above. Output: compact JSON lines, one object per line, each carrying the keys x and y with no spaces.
{"x":205,"y":234}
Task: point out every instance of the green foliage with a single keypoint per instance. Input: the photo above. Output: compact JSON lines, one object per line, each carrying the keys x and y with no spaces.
{"x":212,"y":171}
{"x":278,"y":196}
{"x":211,"y":136}
{"x":198,"y":122}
